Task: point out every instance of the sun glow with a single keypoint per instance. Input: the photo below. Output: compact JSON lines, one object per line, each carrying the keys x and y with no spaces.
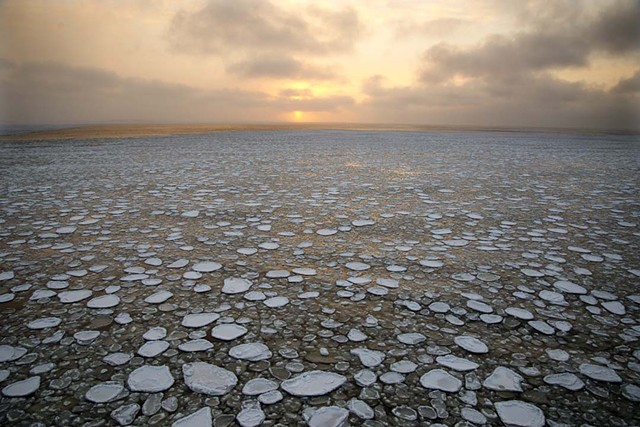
{"x":298,"y":116}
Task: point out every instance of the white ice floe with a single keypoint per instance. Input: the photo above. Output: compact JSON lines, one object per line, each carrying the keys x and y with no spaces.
{"x":471,"y":344}
{"x":515,"y":413}
{"x":200,"y":418}
{"x":313,"y":383}
{"x":439,"y":379}
{"x":208,"y":379}
{"x":150,"y":379}
{"x":228,"y":331}
{"x":22,"y":388}
{"x":104,"y":392}
{"x":250,"y":351}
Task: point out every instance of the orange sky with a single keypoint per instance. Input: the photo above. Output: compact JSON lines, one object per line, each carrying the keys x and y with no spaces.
{"x":483,"y":62}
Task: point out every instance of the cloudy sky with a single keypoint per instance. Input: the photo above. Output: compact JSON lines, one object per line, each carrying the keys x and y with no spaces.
{"x":470,"y":62}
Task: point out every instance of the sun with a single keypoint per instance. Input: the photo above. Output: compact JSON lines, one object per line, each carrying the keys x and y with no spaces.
{"x":298,"y":115}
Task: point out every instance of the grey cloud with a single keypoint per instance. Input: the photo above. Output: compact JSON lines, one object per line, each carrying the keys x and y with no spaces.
{"x":617,"y":29}
{"x":539,"y":100}
{"x":54,"y":93}
{"x":546,"y":44}
{"x":222,"y":26}
{"x":628,"y":86}
{"x":280,"y":67}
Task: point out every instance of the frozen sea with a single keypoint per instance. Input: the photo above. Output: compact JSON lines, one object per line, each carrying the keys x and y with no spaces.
{"x":322,"y":278}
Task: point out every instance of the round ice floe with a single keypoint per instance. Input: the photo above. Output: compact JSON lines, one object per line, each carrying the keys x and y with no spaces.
{"x":276,"y":302}
{"x":313,"y":383}
{"x":255,"y":296}
{"x":228,"y":331}
{"x":369,"y":358}
{"x":309,"y":295}
{"x":206,"y":267}
{"x":104,"y":392}
{"x":250,"y":351}
{"x":302,"y":271}
{"x":277,"y":274}
{"x":7,"y":297}
{"x":104,"y":301}
{"x":247,"y":251}
{"x":471,"y":344}
{"x":362,"y":222}
{"x":179,"y":263}
{"x":532,"y":273}
{"x":155,"y":262}
{"x":557,"y":354}
{"x":356,"y":335}
{"x":569,"y":287}
{"x":235,"y":285}
{"x":326,"y":231}
{"x":411,"y":338}
{"x":388,"y":283}
{"x":600,"y":373}
{"x":519,"y":313}
{"x":479,"y":306}
{"x":542,"y":327}
{"x":258,"y":386}
{"x":86,"y":337}
{"x":22,"y":388}
{"x":566,"y":380}
{"x":431,"y":263}
{"x":439,"y":307}
{"x":614,"y":307}
{"x":392,"y":378}
{"x":503,"y":379}
{"x":153,"y":348}
{"x":329,"y":416}
{"x":365,"y":378}
{"x":438,"y":379}
{"x":270,"y":397}
{"x":404,"y":366}
{"x":631,"y":392}
{"x":515,"y":413}
{"x":208,"y":379}
{"x":456,"y":363}
{"x":150,"y":379}
{"x":9,"y":353}
{"x":155,"y":333}
{"x":193,"y":346}
{"x":200,"y":418}
{"x":199,"y":320}
{"x":117,"y":359}
{"x":69,"y":297}
{"x":158,"y":297}
{"x":270,"y":246}
{"x":43,"y":323}
{"x":357,"y":266}
{"x":6,"y":275}
{"x":41,"y":293}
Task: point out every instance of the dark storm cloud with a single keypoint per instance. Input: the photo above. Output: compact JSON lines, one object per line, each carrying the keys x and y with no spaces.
{"x":280,"y":67}
{"x":56,"y":93}
{"x":222,"y":26}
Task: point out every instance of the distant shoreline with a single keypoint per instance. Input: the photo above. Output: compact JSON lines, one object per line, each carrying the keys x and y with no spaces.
{"x":151,"y":130}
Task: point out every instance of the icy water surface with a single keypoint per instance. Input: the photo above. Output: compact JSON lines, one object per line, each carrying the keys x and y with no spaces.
{"x":321,"y":278}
